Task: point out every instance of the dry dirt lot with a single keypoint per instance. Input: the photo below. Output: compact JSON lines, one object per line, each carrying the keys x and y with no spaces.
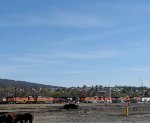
{"x":87,"y":113}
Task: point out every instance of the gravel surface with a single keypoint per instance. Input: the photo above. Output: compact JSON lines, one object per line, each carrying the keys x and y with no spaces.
{"x":87,"y":113}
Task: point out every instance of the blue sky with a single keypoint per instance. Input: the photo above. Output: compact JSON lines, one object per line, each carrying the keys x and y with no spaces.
{"x":75,"y":42}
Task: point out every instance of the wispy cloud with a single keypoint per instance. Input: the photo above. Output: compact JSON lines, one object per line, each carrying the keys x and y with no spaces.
{"x":92,"y":55}
{"x":79,"y":19}
{"x":56,"y":18}
{"x":141,"y":44}
{"x":33,"y":60}
{"x":58,"y":57}
{"x":13,"y":68}
{"x":138,"y":69}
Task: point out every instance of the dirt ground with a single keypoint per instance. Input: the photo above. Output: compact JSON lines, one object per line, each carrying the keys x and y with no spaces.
{"x":87,"y":113}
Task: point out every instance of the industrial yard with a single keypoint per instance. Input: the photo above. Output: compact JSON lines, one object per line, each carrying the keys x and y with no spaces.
{"x":87,"y":112}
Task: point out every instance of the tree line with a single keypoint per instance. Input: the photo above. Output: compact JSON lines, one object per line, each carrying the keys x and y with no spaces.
{"x":78,"y":92}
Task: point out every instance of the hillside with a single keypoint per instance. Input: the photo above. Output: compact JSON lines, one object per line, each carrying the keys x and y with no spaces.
{"x":5,"y":83}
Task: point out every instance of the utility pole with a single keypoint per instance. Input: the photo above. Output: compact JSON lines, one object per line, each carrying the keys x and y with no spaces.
{"x":15,"y":92}
{"x":110,"y":94}
{"x":142,"y":90}
{"x":142,"y":87}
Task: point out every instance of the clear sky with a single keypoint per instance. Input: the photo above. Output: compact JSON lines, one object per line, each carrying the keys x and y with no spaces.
{"x":75,"y":42}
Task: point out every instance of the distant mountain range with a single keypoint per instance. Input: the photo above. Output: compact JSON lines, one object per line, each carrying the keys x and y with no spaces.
{"x":4,"y":83}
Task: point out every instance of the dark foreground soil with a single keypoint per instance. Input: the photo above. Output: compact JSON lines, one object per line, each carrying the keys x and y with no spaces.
{"x":87,"y":113}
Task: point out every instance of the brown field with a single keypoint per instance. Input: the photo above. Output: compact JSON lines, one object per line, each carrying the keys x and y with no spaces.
{"x":87,"y":113}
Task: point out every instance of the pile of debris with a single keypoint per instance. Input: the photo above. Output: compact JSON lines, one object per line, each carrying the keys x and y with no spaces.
{"x":70,"y":106}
